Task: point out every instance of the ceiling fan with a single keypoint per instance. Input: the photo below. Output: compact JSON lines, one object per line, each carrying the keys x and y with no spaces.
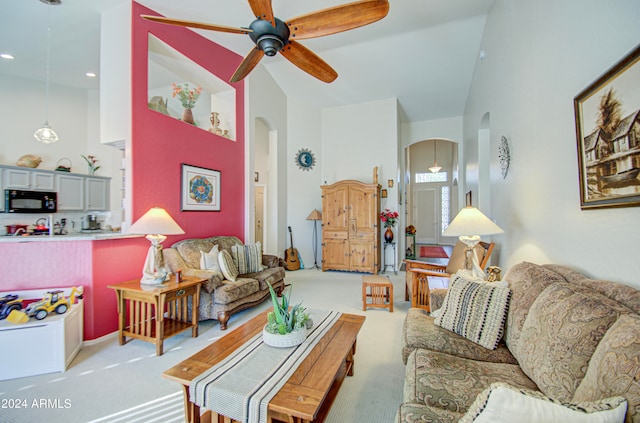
{"x":271,"y":35}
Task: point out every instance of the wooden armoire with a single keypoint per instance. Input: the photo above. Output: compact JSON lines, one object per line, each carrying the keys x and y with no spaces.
{"x":350,"y":227}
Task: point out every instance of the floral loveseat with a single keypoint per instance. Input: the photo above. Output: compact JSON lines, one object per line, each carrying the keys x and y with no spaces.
{"x":567,"y":338}
{"x":221,"y":297}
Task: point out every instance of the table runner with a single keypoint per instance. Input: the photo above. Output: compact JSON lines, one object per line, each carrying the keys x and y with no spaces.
{"x":241,"y":385}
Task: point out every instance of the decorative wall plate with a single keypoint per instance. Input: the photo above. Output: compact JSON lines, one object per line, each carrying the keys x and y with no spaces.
{"x":504,"y":154}
{"x":305,"y":159}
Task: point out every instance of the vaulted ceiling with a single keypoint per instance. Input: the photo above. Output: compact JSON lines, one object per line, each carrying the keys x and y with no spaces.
{"x":423,"y":53}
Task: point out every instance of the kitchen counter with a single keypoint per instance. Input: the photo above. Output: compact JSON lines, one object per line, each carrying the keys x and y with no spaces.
{"x":74,"y":236}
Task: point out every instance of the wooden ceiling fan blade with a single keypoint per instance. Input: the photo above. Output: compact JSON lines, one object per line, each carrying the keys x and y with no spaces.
{"x":200,"y":25}
{"x":247,"y":65}
{"x":308,"y":61}
{"x":337,"y":19}
{"x":262,"y":10}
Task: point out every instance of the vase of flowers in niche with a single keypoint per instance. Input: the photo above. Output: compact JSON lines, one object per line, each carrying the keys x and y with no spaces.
{"x":188,"y":98}
{"x":389,"y":219}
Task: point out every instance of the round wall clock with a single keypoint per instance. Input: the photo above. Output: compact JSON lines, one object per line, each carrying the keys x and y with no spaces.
{"x":305,"y":159}
{"x":504,"y":154}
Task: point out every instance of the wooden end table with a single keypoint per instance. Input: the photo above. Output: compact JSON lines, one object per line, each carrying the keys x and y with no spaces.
{"x":306,"y":396}
{"x":157,"y":312}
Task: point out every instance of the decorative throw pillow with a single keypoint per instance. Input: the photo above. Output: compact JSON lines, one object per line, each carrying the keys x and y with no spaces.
{"x":504,"y":403}
{"x":227,"y":266}
{"x":209,"y":261}
{"x":475,"y":310}
{"x":247,"y":258}
{"x":615,"y":365}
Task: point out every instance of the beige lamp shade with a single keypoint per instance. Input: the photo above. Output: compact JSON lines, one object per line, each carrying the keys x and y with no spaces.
{"x":156,"y":221}
{"x":471,"y":221}
{"x":155,"y":224}
{"x":315,"y":215}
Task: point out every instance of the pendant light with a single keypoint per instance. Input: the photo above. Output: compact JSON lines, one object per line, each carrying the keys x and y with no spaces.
{"x":46,"y":134}
{"x":435,"y":168}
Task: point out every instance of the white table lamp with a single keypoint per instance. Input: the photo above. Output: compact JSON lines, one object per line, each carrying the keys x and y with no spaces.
{"x":468,"y":225}
{"x":155,"y":224}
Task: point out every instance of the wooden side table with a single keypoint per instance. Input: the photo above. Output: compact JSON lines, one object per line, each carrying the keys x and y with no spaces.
{"x":153,"y":313}
{"x":379,"y":289}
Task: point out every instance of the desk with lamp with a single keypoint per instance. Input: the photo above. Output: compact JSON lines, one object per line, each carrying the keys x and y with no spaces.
{"x":157,"y":307}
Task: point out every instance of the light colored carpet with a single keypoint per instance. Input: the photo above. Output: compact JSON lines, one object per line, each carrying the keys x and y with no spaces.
{"x":109,"y":383}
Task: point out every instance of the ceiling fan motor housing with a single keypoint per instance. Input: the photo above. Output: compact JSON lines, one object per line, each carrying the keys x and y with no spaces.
{"x":267,"y":38}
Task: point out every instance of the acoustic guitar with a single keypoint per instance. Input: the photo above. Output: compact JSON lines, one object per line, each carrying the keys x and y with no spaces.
{"x":291,"y":260}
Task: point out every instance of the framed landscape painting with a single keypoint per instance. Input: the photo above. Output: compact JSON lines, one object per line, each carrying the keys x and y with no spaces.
{"x":607,"y":115}
{"x":200,"y":189}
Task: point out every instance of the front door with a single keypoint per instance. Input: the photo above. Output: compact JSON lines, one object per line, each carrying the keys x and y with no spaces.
{"x":426,"y":203}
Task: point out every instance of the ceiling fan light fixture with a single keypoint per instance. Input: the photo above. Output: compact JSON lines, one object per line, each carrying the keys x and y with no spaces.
{"x":52,"y":2}
{"x":270,"y":44}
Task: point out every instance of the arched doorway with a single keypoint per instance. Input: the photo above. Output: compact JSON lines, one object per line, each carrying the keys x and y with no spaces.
{"x":431,"y":196}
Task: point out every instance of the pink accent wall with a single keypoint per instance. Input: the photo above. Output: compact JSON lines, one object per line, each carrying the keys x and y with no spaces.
{"x":90,"y":264}
{"x":160,"y":144}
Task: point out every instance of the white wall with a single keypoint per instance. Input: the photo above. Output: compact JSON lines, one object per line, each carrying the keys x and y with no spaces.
{"x":539,"y":55}
{"x":73,"y":114}
{"x":266,"y":101}
{"x":355,"y":139}
{"x":304,"y":193}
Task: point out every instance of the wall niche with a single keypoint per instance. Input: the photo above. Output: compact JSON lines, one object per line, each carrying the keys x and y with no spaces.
{"x":183,"y":90}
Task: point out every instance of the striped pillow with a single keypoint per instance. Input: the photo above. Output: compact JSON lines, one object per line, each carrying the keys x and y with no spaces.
{"x":475,"y":310}
{"x":247,"y":258}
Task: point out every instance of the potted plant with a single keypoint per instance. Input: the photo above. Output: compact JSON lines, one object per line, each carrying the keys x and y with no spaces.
{"x":286,"y":326}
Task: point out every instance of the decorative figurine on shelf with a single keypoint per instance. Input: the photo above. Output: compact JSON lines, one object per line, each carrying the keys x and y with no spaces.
{"x":215,"y":123}
{"x":29,"y":160}
{"x":389,"y":219}
{"x":495,"y":274}
{"x":410,"y":229}
{"x":159,"y":104}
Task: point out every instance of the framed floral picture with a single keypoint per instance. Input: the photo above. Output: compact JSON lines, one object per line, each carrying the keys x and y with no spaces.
{"x":200,"y":189}
{"x":607,"y":115}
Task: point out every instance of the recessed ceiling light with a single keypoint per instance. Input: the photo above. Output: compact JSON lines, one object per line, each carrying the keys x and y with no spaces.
{"x":7,"y":56}
{"x":90,"y":74}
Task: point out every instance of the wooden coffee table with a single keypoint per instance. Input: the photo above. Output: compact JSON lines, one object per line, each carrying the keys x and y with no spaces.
{"x":307,"y":395}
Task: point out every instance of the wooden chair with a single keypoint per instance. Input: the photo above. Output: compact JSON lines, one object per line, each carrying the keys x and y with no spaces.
{"x":418,"y":272}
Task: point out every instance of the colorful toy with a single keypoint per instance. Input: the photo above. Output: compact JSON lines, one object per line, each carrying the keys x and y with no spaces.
{"x":8,"y":303}
{"x":53,"y":301}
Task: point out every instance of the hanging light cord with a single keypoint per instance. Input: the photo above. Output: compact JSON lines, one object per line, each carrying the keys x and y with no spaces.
{"x":46,"y":103}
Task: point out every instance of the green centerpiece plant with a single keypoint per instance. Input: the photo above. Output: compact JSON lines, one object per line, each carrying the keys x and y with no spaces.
{"x":286,"y":325}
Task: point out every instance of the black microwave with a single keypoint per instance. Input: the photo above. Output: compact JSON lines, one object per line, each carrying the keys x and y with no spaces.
{"x":17,"y":201}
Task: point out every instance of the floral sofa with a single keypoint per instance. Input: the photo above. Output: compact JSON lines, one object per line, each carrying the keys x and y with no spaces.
{"x":221,"y":297}
{"x":571,"y":340}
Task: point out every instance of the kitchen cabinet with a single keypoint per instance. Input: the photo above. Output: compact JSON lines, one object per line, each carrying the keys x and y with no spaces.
{"x":97,"y":193}
{"x":70,"y":192}
{"x":76,"y":192}
{"x":28,"y":179}
{"x":350,"y":230}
